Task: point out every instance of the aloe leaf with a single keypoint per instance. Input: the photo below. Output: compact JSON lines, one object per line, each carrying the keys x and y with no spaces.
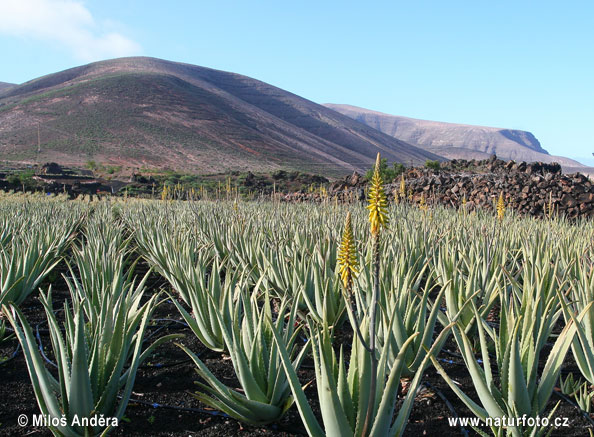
{"x":309,"y":420}
{"x":80,"y":395}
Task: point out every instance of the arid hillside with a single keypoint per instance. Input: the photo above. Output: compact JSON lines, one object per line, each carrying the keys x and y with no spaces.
{"x":155,"y":113}
{"x":457,"y":141}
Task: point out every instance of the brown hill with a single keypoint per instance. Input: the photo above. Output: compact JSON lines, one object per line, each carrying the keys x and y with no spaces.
{"x":4,"y":86}
{"x":155,"y":113}
{"x":457,"y":141}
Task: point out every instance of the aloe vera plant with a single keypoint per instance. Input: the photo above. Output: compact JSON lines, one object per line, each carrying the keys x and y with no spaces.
{"x":6,"y":230}
{"x":405,"y":305}
{"x":210,"y":300}
{"x":95,"y":363}
{"x":580,"y":300}
{"x":310,"y":281}
{"x":172,"y":253}
{"x":406,"y":314}
{"x":100,"y":261}
{"x":29,"y":257}
{"x":257,"y":362}
{"x":184,"y":263}
{"x":355,"y":402}
{"x":320,"y":291}
{"x":101,"y":348}
{"x":580,"y":391}
{"x":28,"y":254}
{"x":344,"y":387}
{"x":518,"y":343}
{"x":463,"y":280}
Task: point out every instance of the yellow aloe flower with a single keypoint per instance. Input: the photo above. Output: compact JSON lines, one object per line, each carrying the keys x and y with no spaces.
{"x":378,"y":203}
{"x":347,"y":255}
{"x":402,"y":190}
{"x":500,"y":207}
{"x":423,"y":203}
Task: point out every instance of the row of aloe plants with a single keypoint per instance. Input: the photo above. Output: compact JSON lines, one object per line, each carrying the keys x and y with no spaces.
{"x":270,"y":284}
{"x":33,"y":238}
{"x":481,"y":269}
{"x":99,"y":345}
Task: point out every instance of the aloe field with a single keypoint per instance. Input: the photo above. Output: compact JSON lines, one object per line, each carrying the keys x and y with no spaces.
{"x":203,"y":317}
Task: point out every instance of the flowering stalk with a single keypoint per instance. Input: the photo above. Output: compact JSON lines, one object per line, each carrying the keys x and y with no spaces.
{"x":378,"y":218}
{"x":378,"y":203}
{"x":423,"y":203}
{"x":347,"y":256}
{"x":500,"y":207}
{"x":347,"y":261}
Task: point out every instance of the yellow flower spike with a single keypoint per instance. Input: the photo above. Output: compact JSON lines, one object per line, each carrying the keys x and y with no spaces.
{"x":378,"y":203}
{"x":402,"y":190}
{"x":347,"y":255}
{"x":500,"y":207}
{"x":423,"y":203}
{"x":464,"y":207}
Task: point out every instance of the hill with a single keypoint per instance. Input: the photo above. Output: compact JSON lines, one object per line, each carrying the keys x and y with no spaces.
{"x":154,"y":113}
{"x":457,"y":141}
{"x":4,"y":86}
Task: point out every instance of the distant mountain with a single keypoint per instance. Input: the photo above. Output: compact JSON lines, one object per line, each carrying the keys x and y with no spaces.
{"x":456,"y":140}
{"x":4,"y":86}
{"x":155,"y":113}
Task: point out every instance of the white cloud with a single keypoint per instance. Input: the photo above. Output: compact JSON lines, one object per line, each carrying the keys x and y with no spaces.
{"x":67,"y":23}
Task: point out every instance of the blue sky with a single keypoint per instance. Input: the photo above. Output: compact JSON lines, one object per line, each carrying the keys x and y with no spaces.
{"x":523,"y":65}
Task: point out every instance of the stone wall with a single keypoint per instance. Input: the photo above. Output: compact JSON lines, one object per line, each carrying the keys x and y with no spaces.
{"x":527,"y":188}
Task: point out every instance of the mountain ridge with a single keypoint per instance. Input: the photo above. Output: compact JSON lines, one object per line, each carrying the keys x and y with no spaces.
{"x":5,"y":86}
{"x":453,"y":140}
{"x":150,"y":112}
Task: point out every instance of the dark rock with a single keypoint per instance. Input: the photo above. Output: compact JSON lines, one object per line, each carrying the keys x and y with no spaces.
{"x":137,"y":177}
{"x":51,"y":168}
{"x":354,"y":179}
{"x":568,"y":201}
{"x":527,"y":187}
{"x":361,"y":194}
{"x":586,"y":198}
{"x":249,"y":179}
{"x":338,"y":186}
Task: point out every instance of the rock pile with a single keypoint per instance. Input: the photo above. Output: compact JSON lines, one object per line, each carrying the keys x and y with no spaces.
{"x":529,"y":188}
{"x":50,"y":168}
